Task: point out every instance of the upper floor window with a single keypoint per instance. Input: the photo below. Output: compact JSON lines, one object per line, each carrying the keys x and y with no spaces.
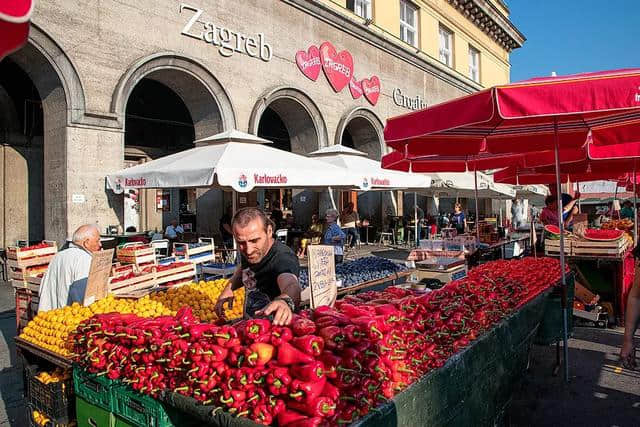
{"x":446,"y":46}
{"x":408,"y":23}
{"x":474,"y":64}
{"x":362,"y":8}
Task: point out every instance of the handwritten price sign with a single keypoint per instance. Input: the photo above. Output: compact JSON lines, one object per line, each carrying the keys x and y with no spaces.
{"x":322,"y":275}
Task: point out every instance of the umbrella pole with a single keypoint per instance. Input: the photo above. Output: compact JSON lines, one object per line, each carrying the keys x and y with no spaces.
{"x":415,"y":218}
{"x":475,"y":181}
{"x":635,"y":214}
{"x":333,"y":202}
{"x":234,"y":208}
{"x":564,"y":280}
{"x":579,"y":204}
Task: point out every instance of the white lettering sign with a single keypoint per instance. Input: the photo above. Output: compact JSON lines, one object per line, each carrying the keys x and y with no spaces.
{"x":402,"y":100}
{"x":227,"y":41}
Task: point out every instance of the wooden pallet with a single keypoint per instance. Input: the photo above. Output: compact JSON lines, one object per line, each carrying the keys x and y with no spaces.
{"x":136,"y":254}
{"x":17,"y":253}
{"x":29,"y":262}
{"x":151,"y":280}
{"x":552,"y":247}
{"x":17,"y":273}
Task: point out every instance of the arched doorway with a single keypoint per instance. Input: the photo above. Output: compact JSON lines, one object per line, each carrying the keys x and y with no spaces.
{"x":361,"y":130}
{"x":166,"y":103}
{"x":21,"y":156}
{"x":289,"y":119}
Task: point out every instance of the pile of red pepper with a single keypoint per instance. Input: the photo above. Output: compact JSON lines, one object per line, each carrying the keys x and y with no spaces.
{"x":330,"y":366}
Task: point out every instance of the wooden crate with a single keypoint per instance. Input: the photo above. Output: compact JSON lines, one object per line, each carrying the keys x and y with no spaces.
{"x":136,"y":253}
{"x":588,"y":247}
{"x":197,"y":253}
{"x":26,"y":307}
{"x":552,"y":247}
{"x":17,"y":253}
{"x":143,"y":281}
{"x":183,"y":272}
{"x":24,"y":273}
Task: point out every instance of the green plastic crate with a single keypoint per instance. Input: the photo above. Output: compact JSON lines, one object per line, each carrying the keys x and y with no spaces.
{"x":89,"y":415}
{"x":119,"y":422}
{"x":96,"y":390}
{"x":143,"y":410}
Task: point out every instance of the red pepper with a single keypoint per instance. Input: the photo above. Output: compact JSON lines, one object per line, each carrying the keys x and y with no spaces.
{"x":280,"y":334}
{"x":288,"y":416}
{"x":289,"y":355}
{"x":309,"y":344}
{"x":306,"y":391}
{"x":302,"y":326}
{"x":319,"y":407}
{"x":278,"y":380}
{"x":333,"y":337}
{"x":351,"y":310}
{"x":259,"y":354}
{"x":255,"y":330}
{"x":309,"y":372}
{"x":331,"y":391}
{"x":353,"y":334}
{"x":262,"y":415}
{"x":371,"y":326}
{"x":306,"y":422}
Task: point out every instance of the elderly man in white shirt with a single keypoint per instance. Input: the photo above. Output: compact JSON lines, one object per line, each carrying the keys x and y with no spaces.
{"x":69,"y":266}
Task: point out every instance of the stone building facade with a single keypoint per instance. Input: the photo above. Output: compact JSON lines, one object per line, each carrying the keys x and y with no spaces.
{"x":102,"y":85}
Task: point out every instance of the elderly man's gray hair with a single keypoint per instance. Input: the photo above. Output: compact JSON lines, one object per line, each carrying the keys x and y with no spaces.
{"x":85,"y":232}
{"x":332,"y":212}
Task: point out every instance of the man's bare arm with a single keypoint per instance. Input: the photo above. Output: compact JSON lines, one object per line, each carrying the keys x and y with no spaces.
{"x":289,"y":286}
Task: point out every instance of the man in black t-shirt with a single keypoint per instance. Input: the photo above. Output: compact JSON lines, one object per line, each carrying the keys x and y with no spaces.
{"x":269,"y":270}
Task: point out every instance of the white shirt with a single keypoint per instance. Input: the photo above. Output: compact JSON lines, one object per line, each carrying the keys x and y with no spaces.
{"x":172,"y":232}
{"x":67,"y":266}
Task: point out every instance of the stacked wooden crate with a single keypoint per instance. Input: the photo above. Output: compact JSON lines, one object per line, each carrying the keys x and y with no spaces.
{"x":136,"y":253}
{"x":133,"y":281}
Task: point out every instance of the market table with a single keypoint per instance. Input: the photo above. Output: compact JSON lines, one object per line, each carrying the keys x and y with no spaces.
{"x":474,"y":387}
{"x":502,"y":243}
{"x":25,"y":346}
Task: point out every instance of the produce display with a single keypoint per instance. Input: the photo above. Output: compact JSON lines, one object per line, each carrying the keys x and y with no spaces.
{"x":50,"y":329}
{"x":603,"y":235}
{"x":56,"y":376}
{"x":360,"y":270}
{"x":618,"y":224}
{"x":147,"y":270}
{"x":330,"y":366}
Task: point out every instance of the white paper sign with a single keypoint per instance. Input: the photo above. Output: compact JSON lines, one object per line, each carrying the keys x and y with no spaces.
{"x":78,"y":198}
{"x":322,"y":275}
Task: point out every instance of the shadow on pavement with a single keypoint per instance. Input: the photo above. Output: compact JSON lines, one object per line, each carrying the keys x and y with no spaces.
{"x":600,"y":392}
{"x":11,"y":388}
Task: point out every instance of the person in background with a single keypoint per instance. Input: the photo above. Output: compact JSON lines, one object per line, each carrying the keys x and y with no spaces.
{"x":627,"y":210}
{"x":289,"y":221}
{"x":225,"y":228}
{"x":458,"y":219}
{"x":517,"y":213}
{"x":334,"y":235}
{"x":549,"y":215}
{"x":632,"y":318}
{"x":612,"y":212}
{"x":69,"y":268}
{"x":174,"y":231}
{"x":312,"y":236}
{"x":277,"y":215}
{"x":350,"y":220}
{"x":268,"y":270}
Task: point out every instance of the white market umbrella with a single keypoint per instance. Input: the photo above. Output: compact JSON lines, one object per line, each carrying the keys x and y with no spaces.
{"x":374,"y":177}
{"x":531,"y":191}
{"x":233,"y":160}
{"x":462,"y":184}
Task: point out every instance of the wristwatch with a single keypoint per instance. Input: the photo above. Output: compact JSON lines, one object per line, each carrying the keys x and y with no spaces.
{"x":288,"y":300}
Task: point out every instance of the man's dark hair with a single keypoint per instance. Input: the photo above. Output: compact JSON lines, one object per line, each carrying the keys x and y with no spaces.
{"x":245,"y":215}
{"x":550,"y":199}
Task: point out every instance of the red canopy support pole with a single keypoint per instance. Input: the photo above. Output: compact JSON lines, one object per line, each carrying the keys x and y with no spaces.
{"x":564,"y":279}
{"x":635,"y":202}
{"x":475,"y":181}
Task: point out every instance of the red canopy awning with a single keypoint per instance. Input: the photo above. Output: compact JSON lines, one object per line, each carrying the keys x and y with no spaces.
{"x":521,"y":117}
{"x":14,"y":25}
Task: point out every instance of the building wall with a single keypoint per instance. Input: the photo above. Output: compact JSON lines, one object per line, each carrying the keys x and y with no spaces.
{"x":99,"y":51}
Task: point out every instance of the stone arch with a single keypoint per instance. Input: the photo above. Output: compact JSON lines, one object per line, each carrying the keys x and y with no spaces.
{"x":302,"y":123}
{"x":62,"y":99}
{"x":197,"y":87}
{"x":365,"y":126}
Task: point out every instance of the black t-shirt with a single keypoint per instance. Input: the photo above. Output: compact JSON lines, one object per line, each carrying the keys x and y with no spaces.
{"x":263,"y":277}
{"x":226,"y":219}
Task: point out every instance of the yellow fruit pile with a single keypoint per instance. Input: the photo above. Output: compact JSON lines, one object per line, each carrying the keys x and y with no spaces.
{"x":50,"y":329}
{"x":41,"y":419}
{"x":56,"y":376}
{"x":201,"y":297}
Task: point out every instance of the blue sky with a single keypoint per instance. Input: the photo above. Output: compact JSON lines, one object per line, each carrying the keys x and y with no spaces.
{"x":573,"y":36}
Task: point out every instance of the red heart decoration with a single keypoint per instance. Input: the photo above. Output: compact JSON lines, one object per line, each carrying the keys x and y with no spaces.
{"x":371,"y":89}
{"x":309,"y":62}
{"x":355,"y":87}
{"x":338,"y":67}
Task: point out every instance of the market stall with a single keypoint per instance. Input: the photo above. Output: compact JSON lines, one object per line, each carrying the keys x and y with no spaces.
{"x":128,"y":363}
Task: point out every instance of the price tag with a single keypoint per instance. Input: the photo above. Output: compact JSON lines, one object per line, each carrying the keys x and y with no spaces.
{"x":98,"y":280}
{"x":322,"y":275}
